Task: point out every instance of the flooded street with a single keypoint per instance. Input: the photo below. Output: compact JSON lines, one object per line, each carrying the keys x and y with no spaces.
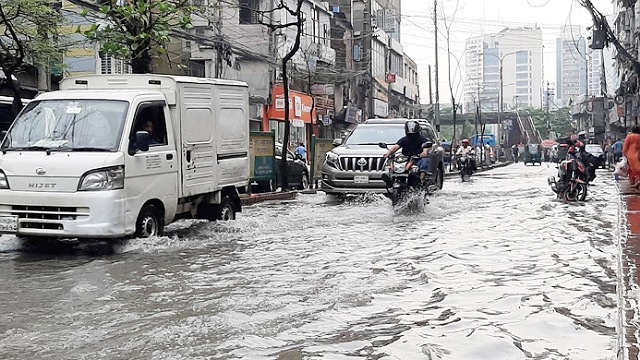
{"x":493,"y":269}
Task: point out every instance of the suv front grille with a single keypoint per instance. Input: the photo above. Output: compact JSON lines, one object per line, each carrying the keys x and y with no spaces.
{"x":362,"y":163}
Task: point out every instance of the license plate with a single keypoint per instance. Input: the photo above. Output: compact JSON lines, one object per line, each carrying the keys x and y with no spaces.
{"x":361,"y":179}
{"x":8,"y":224}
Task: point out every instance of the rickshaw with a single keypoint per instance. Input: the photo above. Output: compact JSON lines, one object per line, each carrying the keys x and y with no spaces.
{"x":533,"y":154}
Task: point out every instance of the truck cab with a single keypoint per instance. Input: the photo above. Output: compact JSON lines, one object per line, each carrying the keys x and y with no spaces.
{"x":111,"y":156}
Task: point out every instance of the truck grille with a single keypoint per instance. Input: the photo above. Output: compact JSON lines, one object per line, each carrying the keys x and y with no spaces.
{"x":47,"y":212}
{"x":362,"y":163}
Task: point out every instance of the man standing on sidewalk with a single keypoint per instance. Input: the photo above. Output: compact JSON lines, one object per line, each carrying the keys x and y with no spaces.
{"x":617,"y":151}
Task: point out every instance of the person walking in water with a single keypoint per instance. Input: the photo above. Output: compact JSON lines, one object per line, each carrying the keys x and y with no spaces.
{"x":631,"y":151}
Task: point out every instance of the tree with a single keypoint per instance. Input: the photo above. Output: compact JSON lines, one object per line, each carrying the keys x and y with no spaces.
{"x":561,"y":120}
{"x":30,"y":32}
{"x":297,"y":24}
{"x":455,"y":106}
{"x":138,"y":28}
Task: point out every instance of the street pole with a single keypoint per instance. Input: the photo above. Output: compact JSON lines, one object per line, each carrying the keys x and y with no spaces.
{"x":501,"y":96}
{"x":435,"y":23}
{"x":430,"y":95}
{"x":219,"y":44}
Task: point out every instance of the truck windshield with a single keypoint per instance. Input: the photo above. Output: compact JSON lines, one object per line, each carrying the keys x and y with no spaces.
{"x":374,"y":134}
{"x":81,"y":125}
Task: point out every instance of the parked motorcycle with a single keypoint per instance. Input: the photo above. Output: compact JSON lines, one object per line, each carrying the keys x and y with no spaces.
{"x":573,"y":178}
{"x":465,"y":166}
{"x":404,"y":180}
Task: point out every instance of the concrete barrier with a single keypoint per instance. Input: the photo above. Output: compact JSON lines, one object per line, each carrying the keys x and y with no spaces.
{"x":270,"y":196}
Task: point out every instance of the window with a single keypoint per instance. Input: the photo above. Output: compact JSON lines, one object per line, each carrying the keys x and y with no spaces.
{"x":150,"y":118}
{"x":522,"y":68}
{"x":522,"y":83}
{"x":315,"y":24}
{"x":248,"y":11}
{"x":522,"y":76}
{"x":522,"y":57}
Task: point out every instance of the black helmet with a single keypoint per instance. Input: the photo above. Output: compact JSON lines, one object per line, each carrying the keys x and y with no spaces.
{"x":411,"y":127}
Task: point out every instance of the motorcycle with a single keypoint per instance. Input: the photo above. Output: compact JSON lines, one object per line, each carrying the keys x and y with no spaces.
{"x":573,"y":178}
{"x":404,"y":178}
{"x":465,"y":166}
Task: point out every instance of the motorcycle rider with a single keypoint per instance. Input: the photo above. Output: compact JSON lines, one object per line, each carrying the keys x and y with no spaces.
{"x":411,"y":145}
{"x":466,"y":149}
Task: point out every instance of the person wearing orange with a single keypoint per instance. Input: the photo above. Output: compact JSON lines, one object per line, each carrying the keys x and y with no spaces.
{"x":631,"y":151}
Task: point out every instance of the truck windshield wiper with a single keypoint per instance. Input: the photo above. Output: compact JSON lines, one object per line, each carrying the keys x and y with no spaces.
{"x":30,"y":148}
{"x":87,"y":148}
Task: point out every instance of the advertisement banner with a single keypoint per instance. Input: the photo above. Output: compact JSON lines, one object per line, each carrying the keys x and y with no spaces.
{"x":320,"y":148}
{"x":262,"y":156}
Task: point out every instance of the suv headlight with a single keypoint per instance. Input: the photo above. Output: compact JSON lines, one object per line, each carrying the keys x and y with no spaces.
{"x":102,"y":179}
{"x":4,"y":183}
{"x":331,"y":158}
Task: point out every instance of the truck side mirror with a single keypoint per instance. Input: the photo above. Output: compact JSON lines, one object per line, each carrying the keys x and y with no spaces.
{"x":141,"y":142}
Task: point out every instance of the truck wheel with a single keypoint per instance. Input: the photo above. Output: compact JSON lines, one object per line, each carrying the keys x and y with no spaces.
{"x":150,"y":222}
{"x":226,"y":211}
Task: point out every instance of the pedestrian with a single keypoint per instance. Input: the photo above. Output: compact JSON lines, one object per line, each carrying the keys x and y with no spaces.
{"x":302,"y":151}
{"x":515,"y":151}
{"x":631,"y":151}
{"x":617,"y":150}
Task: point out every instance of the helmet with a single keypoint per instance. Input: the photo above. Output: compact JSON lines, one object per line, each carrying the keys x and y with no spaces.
{"x":411,"y":127}
{"x":465,"y":141}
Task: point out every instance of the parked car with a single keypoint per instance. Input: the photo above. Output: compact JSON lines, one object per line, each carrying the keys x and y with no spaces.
{"x":596,"y":150}
{"x":297,"y":172}
{"x":357,"y":163}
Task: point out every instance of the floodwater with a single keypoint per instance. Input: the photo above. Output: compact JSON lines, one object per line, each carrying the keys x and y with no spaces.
{"x":492,"y":269}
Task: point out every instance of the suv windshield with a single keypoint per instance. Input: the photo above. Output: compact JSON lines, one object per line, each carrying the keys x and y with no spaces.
{"x":374,"y":134}
{"x":68,"y":125}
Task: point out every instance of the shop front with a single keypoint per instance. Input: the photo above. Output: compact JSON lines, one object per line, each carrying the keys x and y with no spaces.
{"x":302,"y":115}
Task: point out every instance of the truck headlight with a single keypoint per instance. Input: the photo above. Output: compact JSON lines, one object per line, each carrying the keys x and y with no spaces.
{"x":103,"y":179}
{"x":4,"y":183}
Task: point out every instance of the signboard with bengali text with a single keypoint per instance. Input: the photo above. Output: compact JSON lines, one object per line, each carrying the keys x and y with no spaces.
{"x":262,"y":155}
{"x":321,"y":146}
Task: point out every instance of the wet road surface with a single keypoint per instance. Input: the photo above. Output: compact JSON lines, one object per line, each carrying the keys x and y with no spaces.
{"x":492,"y":269}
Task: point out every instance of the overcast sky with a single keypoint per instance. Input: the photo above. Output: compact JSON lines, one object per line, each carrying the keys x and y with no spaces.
{"x":475,"y":17}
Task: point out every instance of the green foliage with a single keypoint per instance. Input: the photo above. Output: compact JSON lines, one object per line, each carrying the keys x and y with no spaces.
{"x":560,"y":119}
{"x":30,"y":29}
{"x":133,"y":30}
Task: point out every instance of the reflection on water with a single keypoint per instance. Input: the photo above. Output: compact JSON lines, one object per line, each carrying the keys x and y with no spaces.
{"x":491,"y":269}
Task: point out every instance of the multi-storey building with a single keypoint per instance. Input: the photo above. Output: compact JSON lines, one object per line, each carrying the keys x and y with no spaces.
{"x":571,"y":65}
{"x":379,"y":56}
{"x":595,"y":71}
{"x":507,"y":63}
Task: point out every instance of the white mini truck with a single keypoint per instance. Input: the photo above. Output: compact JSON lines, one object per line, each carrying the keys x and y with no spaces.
{"x":113,"y":156}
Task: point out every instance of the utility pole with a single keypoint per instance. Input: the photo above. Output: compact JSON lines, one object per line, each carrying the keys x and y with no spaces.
{"x":219,"y":36}
{"x":435,"y":23}
{"x":501,"y":95}
{"x":547,"y":110}
{"x":430,"y":94}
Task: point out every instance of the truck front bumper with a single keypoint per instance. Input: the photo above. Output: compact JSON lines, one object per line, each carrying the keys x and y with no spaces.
{"x":90,"y":214}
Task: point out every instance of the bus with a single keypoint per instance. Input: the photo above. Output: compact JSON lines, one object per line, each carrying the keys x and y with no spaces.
{"x":488,"y":138}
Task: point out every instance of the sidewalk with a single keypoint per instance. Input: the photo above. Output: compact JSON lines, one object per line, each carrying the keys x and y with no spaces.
{"x":628,"y":271}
